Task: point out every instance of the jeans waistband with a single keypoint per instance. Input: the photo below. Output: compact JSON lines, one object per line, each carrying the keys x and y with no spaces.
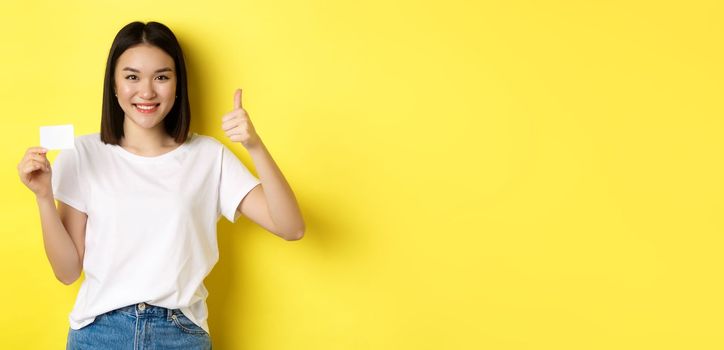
{"x":147,"y":310}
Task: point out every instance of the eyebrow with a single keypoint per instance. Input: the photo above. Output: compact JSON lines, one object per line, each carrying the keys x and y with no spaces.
{"x":165,"y":69}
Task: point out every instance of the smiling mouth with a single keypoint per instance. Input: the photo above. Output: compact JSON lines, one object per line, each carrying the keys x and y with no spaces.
{"x":146,"y":109}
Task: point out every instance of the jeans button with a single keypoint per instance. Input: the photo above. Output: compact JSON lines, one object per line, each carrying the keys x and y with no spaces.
{"x":142,"y":306}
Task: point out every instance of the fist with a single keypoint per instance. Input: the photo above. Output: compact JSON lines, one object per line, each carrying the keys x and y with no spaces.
{"x":35,"y":172}
{"x":237,"y":125}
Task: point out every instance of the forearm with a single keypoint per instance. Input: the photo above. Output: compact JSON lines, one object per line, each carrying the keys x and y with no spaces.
{"x":59,"y":247}
{"x":282,"y":204}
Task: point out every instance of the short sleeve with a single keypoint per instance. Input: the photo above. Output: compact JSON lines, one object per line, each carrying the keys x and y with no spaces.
{"x":235,"y":183}
{"x":66,"y":179}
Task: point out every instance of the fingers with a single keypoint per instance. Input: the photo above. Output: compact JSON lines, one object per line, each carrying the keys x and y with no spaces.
{"x":34,"y":165}
{"x":37,"y":157}
{"x":236,"y":138}
{"x":237,"y":125}
{"x":237,"y":99}
{"x":43,"y":164}
{"x":233,"y":119}
{"x":228,"y":126}
{"x":39,"y":150}
{"x":34,"y":154}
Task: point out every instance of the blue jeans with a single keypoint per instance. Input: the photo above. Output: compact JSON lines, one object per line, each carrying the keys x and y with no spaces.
{"x":140,"y":327}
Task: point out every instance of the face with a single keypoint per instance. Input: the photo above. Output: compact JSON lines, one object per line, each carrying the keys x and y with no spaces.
{"x":145,"y":85}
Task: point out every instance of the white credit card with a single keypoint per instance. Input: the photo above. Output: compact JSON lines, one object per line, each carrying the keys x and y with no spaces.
{"x":57,"y":137}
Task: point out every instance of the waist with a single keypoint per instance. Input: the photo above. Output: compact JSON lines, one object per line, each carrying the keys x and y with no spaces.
{"x":147,"y":310}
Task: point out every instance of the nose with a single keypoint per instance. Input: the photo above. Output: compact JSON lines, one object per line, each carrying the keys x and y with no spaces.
{"x":146,"y":91}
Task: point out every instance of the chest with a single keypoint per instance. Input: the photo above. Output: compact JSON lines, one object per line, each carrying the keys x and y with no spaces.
{"x":173,"y":188}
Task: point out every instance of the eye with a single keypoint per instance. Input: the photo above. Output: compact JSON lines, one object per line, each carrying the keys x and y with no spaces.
{"x":162,"y":77}
{"x":131,"y":77}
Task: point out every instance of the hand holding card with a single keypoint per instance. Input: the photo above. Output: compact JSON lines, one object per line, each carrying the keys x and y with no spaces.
{"x":34,"y":169}
{"x":35,"y":172}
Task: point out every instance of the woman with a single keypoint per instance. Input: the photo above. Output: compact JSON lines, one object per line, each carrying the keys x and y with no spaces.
{"x":138,"y":203}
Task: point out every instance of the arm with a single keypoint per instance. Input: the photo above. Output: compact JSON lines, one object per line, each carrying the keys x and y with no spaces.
{"x":63,"y":238}
{"x":64,"y":228}
{"x":271,"y":205}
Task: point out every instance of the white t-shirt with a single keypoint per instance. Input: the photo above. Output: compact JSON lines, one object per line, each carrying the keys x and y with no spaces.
{"x":151,"y":229}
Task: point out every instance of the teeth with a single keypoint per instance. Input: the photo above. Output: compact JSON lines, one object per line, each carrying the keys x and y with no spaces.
{"x":146,"y":107}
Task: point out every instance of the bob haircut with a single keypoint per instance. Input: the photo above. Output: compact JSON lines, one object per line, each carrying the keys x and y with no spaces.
{"x":178,"y":119}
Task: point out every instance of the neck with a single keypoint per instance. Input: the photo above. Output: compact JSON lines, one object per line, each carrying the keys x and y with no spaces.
{"x":146,"y":141}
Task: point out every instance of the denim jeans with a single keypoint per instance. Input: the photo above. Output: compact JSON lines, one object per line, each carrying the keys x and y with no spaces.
{"x":140,"y":327}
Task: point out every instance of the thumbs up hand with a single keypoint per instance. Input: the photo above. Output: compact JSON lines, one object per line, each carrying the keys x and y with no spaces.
{"x":238,"y":127}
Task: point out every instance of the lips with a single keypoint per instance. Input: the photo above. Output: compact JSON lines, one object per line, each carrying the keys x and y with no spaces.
{"x":146,"y":108}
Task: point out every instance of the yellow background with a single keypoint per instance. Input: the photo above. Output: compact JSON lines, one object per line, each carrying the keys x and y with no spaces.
{"x":474,"y":174}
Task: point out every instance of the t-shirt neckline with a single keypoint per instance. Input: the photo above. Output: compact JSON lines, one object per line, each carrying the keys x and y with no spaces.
{"x":130,"y":155}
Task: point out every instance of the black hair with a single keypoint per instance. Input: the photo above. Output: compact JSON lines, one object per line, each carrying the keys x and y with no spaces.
{"x":178,"y":120}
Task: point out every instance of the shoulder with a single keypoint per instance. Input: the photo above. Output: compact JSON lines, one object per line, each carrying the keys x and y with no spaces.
{"x":89,"y":140}
{"x":85,"y":144}
{"x":204,"y":143}
{"x":85,"y":147}
{"x":94,"y":137}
